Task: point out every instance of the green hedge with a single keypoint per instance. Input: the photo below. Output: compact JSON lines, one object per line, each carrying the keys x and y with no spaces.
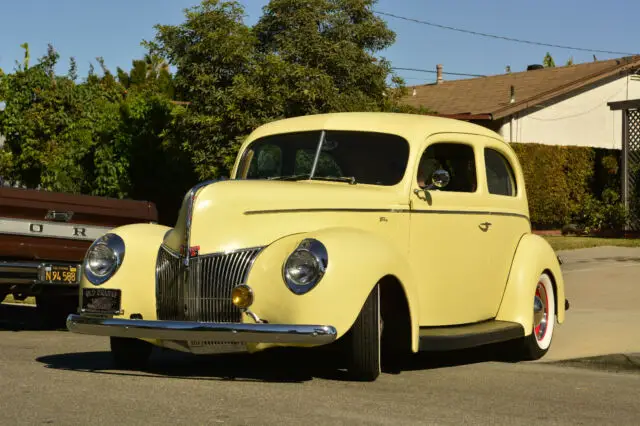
{"x":562,"y":180}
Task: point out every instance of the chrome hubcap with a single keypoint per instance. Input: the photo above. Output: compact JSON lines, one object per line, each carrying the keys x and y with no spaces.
{"x":540,"y":312}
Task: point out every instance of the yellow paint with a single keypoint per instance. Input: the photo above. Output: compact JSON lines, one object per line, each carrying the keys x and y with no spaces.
{"x":533,"y":257}
{"x":451,"y":271}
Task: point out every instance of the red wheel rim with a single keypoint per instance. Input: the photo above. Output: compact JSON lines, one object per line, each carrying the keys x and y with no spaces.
{"x":540,"y":312}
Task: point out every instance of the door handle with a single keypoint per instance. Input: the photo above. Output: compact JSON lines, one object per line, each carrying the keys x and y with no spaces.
{"x":484,"y":227}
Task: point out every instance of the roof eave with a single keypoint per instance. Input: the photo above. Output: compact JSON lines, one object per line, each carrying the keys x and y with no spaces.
{"x":559,"y":91}
{"x":465,"y":116}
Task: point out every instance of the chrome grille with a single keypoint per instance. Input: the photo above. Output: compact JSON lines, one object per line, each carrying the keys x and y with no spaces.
{"x":203,"y":291}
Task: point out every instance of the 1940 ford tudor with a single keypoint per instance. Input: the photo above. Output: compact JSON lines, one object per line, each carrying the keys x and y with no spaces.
{"x":385,"y":233}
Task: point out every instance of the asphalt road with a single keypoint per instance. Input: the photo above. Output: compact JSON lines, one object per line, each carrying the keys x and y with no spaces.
{"x":55,"y":377}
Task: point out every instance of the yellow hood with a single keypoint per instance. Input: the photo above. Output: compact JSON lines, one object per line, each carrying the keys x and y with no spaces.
{"x":236,"y":214}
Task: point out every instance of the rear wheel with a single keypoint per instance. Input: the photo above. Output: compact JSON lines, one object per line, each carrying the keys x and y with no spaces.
{"x":130,"y":354}
{"x":536,"y":345}
{"x":364,"y":352}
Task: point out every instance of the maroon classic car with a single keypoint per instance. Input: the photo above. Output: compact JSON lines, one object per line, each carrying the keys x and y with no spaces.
{"x":43,"y":239}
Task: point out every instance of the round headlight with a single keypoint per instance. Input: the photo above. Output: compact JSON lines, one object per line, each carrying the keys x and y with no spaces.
{"x":306,"y":266}
{"x":103,"y":258}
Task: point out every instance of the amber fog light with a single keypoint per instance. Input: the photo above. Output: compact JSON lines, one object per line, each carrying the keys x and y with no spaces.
{"x":242,"y":296}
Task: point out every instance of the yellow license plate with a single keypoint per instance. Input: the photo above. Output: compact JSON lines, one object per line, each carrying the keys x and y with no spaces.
{"x":60,"y":274}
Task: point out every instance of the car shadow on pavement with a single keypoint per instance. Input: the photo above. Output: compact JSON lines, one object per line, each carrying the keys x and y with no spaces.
{"x":496,"y":352}
{"x":282,"y":365}
{"x":276,"y":365}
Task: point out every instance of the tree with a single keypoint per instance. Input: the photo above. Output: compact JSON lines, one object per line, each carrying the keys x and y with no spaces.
{"x":150,"y":73}
{"x":333,"y":43}
{"x":51,"y":124}
{"x":300,"y":58}
{"x":548,"y":61}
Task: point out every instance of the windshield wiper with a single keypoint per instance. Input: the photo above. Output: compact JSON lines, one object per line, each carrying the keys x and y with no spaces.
{"x":292,"y":177}
{"x":350,"y":179}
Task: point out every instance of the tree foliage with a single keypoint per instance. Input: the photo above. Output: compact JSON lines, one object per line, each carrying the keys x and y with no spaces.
{"x":548,"y":61}
{"x":123,"y":134}
{"x":300,"y":58}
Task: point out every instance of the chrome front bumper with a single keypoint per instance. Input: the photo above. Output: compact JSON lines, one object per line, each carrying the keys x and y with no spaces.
{"x":186,"y":330}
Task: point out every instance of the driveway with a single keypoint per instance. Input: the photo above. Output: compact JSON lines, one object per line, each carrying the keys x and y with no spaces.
{"x":56,"y":377}
{"x":603,"y":287}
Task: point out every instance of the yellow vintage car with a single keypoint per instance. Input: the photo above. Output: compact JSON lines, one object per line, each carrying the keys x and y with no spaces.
{"x":383,"y":233}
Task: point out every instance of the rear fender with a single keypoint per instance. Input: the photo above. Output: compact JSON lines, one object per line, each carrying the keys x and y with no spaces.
{"x":357,"y":262}
{"x":534,"y":256}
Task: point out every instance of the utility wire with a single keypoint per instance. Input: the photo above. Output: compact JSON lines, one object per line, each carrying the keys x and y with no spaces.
{"x":443,"y":72}
{"x":502,"y":37}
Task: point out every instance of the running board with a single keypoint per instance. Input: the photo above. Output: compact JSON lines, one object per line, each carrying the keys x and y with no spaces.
{"x":469,"y":335}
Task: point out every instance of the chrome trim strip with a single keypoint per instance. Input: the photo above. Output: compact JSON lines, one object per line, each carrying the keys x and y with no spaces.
{"x":50,"y":229}
{"x":187,"y":330}
{"x":323,"y":135}
{"x":227,"y":252}
{"x":355,"y":210}
{"x":190,"y":199}
{"x":24,"y":266}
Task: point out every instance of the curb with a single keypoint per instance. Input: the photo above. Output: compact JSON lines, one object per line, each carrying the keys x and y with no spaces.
{"x":614,"y":363}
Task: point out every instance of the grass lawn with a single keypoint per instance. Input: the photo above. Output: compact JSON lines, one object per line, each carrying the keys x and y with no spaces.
{"x":571,"y":243}
{"x":27,"y":301}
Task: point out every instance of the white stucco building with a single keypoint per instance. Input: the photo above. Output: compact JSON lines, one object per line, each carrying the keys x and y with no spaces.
{"x":556,"y":106}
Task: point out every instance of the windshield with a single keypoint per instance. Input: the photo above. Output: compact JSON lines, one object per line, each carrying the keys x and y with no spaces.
{"x":350,"y":156}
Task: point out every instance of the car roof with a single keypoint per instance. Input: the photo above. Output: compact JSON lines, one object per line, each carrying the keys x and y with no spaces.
{"x":413,"y":127}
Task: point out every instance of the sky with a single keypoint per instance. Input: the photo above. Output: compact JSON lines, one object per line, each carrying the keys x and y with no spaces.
{"x":114,"y":29}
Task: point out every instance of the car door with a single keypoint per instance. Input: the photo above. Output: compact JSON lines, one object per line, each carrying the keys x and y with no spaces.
{"x":506,"y":200}
{"x":447,"y":241}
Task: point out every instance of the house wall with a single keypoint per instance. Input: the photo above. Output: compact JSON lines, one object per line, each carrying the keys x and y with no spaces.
{"x":580,"y":120}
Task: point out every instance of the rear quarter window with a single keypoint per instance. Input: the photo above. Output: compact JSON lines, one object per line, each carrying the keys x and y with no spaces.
{"x":500,"y":176}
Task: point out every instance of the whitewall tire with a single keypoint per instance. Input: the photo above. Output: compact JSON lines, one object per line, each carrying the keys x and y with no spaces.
{"x":536,"y":345}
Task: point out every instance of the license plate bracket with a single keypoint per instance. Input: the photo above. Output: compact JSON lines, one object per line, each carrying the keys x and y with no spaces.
{"x":51,"y":273}
{"x":101,"y":301}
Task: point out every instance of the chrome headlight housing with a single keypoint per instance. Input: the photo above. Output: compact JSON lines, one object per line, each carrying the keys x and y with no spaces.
{"x":103,"y":258}
{"x":305,"y":266}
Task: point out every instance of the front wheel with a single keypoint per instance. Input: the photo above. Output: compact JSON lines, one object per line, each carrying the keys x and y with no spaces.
{"x":364,"y":349}
{"x":130,"y":354}
{"x":536,"y":345}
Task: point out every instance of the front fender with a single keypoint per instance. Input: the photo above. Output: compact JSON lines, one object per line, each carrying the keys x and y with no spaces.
{"x":533,"y":256}
{"x":136,"y":275}
{"x":357,"y":261}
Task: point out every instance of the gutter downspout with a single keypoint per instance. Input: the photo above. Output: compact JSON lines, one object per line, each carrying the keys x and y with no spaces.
{"x":511,"y":100}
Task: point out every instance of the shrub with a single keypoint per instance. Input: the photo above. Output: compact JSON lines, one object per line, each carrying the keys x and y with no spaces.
{"x":567,"y":184}
{"x":608,"y":214}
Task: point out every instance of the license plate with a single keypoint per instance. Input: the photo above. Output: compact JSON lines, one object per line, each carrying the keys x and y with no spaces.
{"x":101,"y":300}
{"x":59,"y":274}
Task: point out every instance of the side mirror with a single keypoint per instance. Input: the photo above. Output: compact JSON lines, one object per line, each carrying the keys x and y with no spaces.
{"x":439,"y":179}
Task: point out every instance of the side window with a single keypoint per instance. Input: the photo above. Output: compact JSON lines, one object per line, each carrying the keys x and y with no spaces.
{"x":500,"y":177}
{"x":455,"y":158}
